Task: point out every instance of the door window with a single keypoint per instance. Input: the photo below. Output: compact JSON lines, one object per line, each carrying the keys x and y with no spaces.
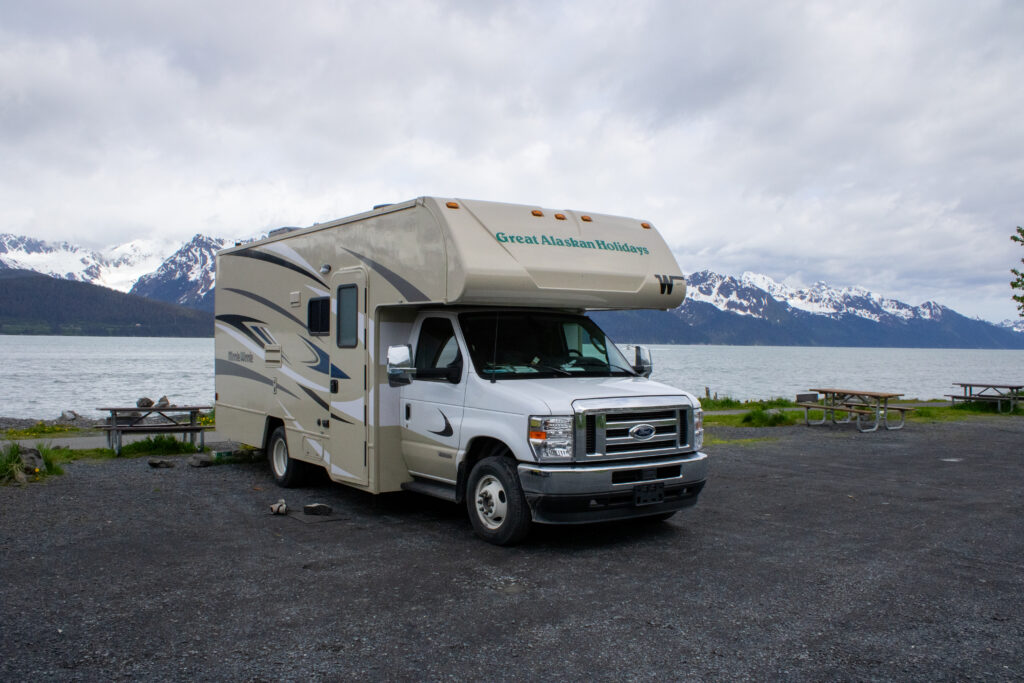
{"x":437,"y":350}
{"x":348,"y":316}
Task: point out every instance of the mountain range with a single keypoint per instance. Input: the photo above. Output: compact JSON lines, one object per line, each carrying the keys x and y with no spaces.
{"x":719,"y":309}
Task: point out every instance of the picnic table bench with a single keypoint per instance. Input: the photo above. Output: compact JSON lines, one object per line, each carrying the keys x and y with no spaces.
{"x":989,"y":392}
{"x":154,"y":420}
{"x":854,"y":403}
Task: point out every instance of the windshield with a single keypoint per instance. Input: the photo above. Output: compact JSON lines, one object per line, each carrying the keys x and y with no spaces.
{"x":539,"y":344}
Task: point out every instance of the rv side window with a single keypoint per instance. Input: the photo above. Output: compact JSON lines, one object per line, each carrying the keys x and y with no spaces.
{"x":318,"y":316}
{"x":348,"y":316}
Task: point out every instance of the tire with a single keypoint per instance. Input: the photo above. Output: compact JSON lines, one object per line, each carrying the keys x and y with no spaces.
{"x":495,"y":501}
{"x":286,"y":470}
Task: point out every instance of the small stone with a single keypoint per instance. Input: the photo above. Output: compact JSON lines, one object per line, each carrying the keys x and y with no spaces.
{"x":144,"y":402}
{"x":31,"y":461}
{"x":69,"y":415}
{"x":200,"y":460}
{"x":317,"y":509}
{"x":279,"y":508}
{"x":160,"y":462}
{"x":163,"y":402}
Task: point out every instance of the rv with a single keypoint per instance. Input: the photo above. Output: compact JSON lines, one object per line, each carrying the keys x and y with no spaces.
{"x":441,"y":346}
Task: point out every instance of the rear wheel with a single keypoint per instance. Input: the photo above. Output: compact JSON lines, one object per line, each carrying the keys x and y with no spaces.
{"x":495,"y":501}
{"x":287,"y":472}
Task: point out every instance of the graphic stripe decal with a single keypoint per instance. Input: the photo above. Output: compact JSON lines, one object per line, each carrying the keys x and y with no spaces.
{"x":266,"y":302}
{"x":224,"y":367}
{"x":404,"y":287}
{"x":323,"y":404}
{"x":278,"y":261}
{"x":239,"y":323}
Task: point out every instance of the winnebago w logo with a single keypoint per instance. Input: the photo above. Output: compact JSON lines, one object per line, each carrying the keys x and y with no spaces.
{"x":666,"y":282}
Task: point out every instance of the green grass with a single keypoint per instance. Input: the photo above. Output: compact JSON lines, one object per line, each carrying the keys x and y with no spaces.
{"x":54,"y":457}
{"x":759,"y":417}
{"x":728,"y":403}
{"x":38,"y":430}
{"x":161,"y":444}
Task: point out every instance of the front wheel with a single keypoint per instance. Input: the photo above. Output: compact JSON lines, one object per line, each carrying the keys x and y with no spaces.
{"x":496,"y":504}
{"x":287,"y":471}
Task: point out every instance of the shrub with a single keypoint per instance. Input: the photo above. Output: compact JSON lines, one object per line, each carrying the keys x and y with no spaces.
{"x":759,"y":417}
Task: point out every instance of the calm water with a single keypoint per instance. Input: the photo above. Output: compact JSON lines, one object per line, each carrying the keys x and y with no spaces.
{"x":41,"y":376}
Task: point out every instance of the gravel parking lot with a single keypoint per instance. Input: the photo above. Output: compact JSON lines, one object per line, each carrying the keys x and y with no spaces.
{"x":814,"y":554}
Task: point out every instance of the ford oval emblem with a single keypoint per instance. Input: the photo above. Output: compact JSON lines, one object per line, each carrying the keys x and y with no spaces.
{"x":642,"y":432}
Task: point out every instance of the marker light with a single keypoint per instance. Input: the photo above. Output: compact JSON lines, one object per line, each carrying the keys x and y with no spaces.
{"x":560,"y":216}
{"x":452,"y":205}
{"x":537,"y":212}
{"x":586,"y":219}
{"x":645,"y":226}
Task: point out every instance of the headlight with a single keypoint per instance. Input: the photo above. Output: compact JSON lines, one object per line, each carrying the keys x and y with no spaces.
{"x":551,"y":438}
{"x":698,"y":428}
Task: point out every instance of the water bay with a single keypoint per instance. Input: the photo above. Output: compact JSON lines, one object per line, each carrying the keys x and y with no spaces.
{"x":44,"y":375}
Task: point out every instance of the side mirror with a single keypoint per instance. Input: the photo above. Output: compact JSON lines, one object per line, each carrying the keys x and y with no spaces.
{"x":400,"y":369}
{"x":643,"y":364}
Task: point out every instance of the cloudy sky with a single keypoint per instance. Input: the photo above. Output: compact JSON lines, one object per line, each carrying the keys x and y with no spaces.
{"x":862,"y":143}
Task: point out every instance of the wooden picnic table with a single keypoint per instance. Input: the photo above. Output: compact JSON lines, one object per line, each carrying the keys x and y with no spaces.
{"x":991,"y":392}
{"x":859,"y":402}
{"x":154,"y":419}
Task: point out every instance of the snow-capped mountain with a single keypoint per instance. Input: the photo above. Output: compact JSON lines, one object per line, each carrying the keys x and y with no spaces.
{"x":116,"y":267}
{"x":755,"y":309}
{"x":187,"y":277}
{"x":1015,"y":325}
{"x":719,"y":309}
{"x":754,"y":294}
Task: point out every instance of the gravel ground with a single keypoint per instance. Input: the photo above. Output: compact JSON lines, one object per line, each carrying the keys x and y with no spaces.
{"x":814,"y":554}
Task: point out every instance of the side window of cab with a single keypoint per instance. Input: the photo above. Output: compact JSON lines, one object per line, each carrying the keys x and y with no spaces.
{"x":437,"y":351}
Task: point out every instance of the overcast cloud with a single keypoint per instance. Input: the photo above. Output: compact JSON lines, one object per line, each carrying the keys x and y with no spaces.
{"x":865,"y":143}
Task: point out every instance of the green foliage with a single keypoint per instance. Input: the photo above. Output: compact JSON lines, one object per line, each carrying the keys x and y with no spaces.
{"x":727,"y":403}
{"x":37,"y":430}
{"x":11,"y":469}
{"x":759,"y":417}
{"x":724,"y":403}
{"x":10,"y":463}
{"x":161,"y":444}
{"x":209,"y":418}
{"x":1017,"y":282}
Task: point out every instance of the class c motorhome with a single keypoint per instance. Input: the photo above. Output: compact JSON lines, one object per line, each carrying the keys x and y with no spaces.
{"x":440,"y":346}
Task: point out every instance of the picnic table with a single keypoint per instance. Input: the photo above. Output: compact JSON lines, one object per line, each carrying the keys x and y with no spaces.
{"x":854,"y":402}
{"x":989,"y":392}
{"x":154,"y":419}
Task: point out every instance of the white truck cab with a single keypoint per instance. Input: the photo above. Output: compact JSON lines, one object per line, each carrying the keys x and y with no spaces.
{"x":574,"y":432}
{"x":441,"y":346}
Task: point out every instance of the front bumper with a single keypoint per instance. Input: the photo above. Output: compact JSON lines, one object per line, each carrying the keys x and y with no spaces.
{"x":567,"y":494}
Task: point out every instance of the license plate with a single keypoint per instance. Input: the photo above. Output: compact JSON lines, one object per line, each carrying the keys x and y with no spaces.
{"x":649,"y":494}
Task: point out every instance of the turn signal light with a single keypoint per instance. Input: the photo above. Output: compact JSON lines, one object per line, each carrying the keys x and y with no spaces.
{"x":539,"y":435}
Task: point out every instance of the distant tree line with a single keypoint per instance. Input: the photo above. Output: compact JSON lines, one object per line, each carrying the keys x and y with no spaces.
{"x":32,"y":303}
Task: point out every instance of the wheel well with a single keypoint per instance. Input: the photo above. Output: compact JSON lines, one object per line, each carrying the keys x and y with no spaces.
{"x":479,"y":448}
{"x":272,"y":424}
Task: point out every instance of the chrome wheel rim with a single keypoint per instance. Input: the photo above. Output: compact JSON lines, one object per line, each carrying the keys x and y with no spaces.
{"x":280,"y":457}
{"x":491,"y":502}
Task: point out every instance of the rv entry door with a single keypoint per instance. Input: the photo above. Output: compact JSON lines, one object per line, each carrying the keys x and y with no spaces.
{"x":347,"y":457}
